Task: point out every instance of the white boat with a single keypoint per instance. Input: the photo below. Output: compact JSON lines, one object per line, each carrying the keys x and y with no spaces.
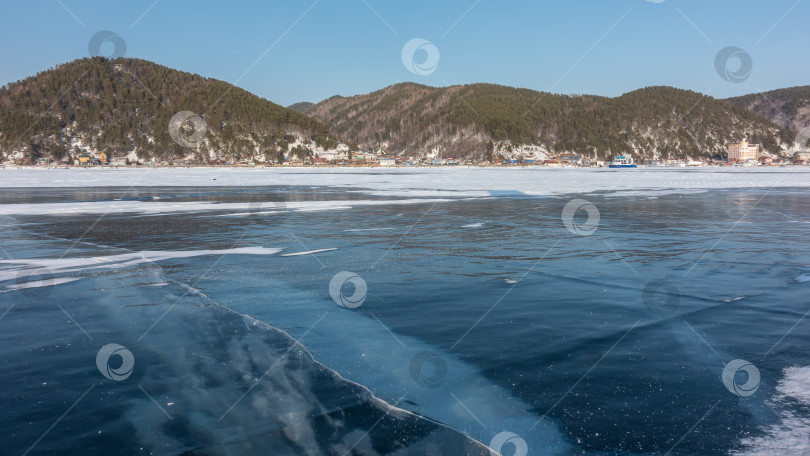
{"x":620,"y":161}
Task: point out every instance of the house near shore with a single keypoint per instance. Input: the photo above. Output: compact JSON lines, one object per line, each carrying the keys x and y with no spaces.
{"x":364,"y":157}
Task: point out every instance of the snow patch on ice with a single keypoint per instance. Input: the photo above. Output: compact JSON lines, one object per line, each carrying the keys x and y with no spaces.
{"x":792,"y":434}
{"x":24,"y":267}
{"x":796,"y":384}
{"x":308,"y":252}
{"x":162,"y":208}
{"x":358,"y":230}
{"x":803,"y":278}
{"x":42,"y":283}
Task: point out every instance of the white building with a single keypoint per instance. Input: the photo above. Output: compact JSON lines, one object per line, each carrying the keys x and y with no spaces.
{"x":742,"y":152}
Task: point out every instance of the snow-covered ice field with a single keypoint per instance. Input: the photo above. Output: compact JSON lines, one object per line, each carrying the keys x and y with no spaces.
{"x":471,"y":181}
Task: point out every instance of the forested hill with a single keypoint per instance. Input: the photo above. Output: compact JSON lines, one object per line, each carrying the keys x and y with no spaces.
{"x":789,"y":107}
{"x":125,"y":105}
{"x":472,"y":120}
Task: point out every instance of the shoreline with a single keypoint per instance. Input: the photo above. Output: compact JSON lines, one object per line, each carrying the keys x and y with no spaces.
{"x":552,"y":166}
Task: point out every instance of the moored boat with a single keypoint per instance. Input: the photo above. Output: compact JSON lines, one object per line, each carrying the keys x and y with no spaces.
{"x":620,"y":161}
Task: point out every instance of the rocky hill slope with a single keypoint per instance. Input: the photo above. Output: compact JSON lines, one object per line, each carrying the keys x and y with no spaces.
{"x":482,"y":120}
{"x":788,"y":108}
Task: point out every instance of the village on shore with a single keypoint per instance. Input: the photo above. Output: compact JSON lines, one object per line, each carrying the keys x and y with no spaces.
{"x":741,"y":154}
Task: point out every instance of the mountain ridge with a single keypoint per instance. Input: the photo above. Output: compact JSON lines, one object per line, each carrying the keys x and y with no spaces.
{"x":125,"y":107}
{"x":483,"y":120}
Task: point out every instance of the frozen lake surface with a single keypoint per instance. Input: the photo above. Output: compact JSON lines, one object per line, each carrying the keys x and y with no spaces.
{"x":405,"y":311}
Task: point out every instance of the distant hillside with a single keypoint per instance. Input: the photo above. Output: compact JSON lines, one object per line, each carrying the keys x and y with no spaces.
{"x":482,"y":120}
{"x":301,"y":107}
{"x":789,"y":108}
{"x":124,"y":107}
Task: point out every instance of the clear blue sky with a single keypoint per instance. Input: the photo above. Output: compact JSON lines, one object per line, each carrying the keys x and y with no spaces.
{"x":346,"y":47}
